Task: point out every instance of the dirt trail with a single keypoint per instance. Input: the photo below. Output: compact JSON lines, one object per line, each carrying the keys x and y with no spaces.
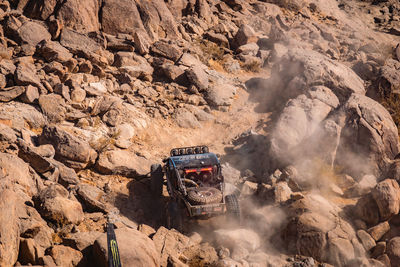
{"x":163,"y":135}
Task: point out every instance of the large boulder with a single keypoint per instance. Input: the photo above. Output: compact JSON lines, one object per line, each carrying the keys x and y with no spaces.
{"x":170,"y":243}
{"x":65,"y":256}
{"x":387,"y":197}
{"x":32,"y":33}
{"x":299,"y":125}
{"x":300,"y":69}
{"x":159,"y":22}
{"x":393,"y":251}
{"x":319,"y":233}
{"x":9,"y":228}
{"x":80,"y":15}
{"x":122,"y":162}
{"x":53,"y":51}
{"x":19,"y":176}
{"x":70,"y":150}
{"x":369,"y":138}
{"x":53,"y":107}
{"x":17,"y":115}
{"x":56,"y":205}
{"x":135,"y":249}
{"x":121,"y":17}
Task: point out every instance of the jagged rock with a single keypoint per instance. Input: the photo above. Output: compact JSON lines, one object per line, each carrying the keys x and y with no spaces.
{"x":379,"y":249}
{"x":30,"y":155}
{"x":78,"y":95}
{"x":25,"y":74}
{"x":166,"y":50}
{"x":20,"y":177}
{"x":220,"y":94}
{"x":125,"y":132}
{"x":70,"y":150}
{"x":379,"y":230}
{"x":367,"y":210}
{"x":65,"y":256}
{"x":53,"y":107}
{"x":53,"y":51}
{"x":7,"y":134}
{"x":159,"y":21}
{"x":122,"y":162}
{"x":134,"y":65}
{"x":282,"y":192}
{"x":198,"y":77}
{"x":82,"y":240}
{"x":244,"y":36}
{"x":189,"y":60}
{"x":121,"y":17}
{"x":95,"y":89}
{"x":387,"y":196}
{"x":80,"y":15}
{"x":32,"y":33}
{"x":217,"y":38}
{"x":142,"y":44}
{"x":169,"y":243}
{"x":186,"y":119}
{"x":174,"y":73}
{"x":30,"y":95}
{"x":10,"y":93}
{"x":9,"y":230}
{"x":91,"y":198}
{"x":67,"y":176}
{"x":248,"y":49}
{"x":57,"y":206}
{"x":366,"y":240}
{"x":388,"y":80}
{"x":369,"y":128}
{"x":393,"y":251}
{"x":135,"y":249}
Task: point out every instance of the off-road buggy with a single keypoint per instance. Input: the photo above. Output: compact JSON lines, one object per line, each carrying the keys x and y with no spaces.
{"x":195,"y":185}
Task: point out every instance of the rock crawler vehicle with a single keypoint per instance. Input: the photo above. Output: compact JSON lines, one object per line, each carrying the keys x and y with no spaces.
{"x":195,"y":185}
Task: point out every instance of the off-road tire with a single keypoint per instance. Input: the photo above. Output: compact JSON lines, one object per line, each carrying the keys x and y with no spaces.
{"x":157,"y":179}
{"x":233,"y":208}
{"x":174,"y":216}
{"x":204,"y":195}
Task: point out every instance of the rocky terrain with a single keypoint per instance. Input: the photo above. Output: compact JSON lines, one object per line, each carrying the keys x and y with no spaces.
{"x":299,"y":97}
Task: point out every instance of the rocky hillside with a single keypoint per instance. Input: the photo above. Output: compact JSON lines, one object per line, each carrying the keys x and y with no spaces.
{"x":299,"y":97}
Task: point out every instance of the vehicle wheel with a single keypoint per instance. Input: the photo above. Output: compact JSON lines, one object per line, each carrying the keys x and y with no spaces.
{"x":157,"y":177}
{"x":233,"y":208}
{"x":174,"y":216}
{"x":204,"y":195}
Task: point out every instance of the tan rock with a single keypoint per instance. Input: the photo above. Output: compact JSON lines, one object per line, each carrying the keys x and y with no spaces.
{"x":122,"y":162}
{"x":65,"y":256}
{"x":9,"y":230}
{"x":56,"y":206}
{"x":80,"y":15}
{"x":393,"y":251}
{"x":387,"y":196}
{"x":379,"y":230}
{"x":367,"y":241}
{"x":170,"y":243}
{"x":135,"y":249}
